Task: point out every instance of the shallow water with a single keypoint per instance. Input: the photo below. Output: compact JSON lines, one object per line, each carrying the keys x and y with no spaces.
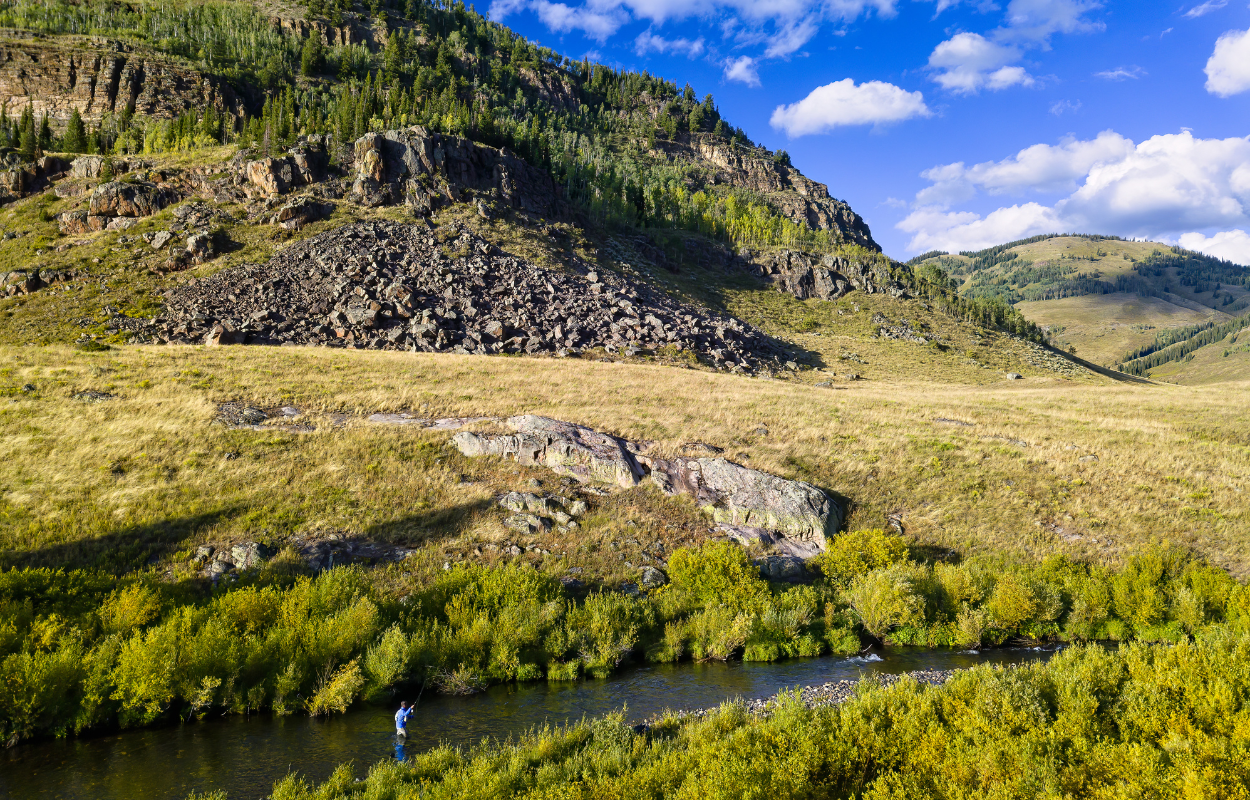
{"x":245,"y":756}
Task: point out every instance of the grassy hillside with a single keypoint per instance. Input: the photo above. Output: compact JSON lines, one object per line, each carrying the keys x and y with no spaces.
{"x":1028,"y":468}
{"x":1103,"y":327}
{"x":1103,"y":296}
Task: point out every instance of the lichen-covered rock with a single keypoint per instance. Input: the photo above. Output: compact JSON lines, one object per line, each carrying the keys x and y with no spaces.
{"x":91,"y":167}
{"x":567,"y":449}
{"x":792,"y":516}
{"x":739,"y":495}
{"x":122,"y":199}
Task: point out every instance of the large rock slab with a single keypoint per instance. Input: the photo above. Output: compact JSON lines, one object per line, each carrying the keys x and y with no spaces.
{"x":122,"y":199}
{"x":791,"y":517}
{"x":567,"y":449}
{"x":741,"y":496}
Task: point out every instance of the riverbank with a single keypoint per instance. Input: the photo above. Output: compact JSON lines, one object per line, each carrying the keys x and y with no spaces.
{"x":245,"y":755}
{"x":1137,"y":721}
{"x":831,"y":693}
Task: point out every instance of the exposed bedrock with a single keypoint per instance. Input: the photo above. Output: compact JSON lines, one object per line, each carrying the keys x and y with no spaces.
{"x":792,"y":517}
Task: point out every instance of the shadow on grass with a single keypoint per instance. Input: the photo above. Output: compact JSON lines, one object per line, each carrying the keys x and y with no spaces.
{"x":427,"y":526}
{"x":122,"y":550}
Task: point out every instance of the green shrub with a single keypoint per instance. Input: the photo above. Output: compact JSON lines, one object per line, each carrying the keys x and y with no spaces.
{"x":338,"y":691}
{"x":885,"y":599}
{"x":857,"y":553}
{"x":719,"y":572}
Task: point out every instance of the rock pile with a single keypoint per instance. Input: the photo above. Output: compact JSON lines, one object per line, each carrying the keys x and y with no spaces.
{"x":791,"y":517}
{"x":395,"y":286}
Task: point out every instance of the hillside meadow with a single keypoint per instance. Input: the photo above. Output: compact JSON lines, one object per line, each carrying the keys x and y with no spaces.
{"x":1025,"y":468}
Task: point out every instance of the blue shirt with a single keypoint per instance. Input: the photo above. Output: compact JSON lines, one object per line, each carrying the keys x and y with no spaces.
{"x":401,"y":718}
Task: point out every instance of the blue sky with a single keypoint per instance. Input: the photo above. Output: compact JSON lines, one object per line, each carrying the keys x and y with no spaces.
{"x":958,"y":124}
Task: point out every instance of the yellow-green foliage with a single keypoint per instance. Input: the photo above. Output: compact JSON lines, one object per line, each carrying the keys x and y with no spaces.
{"x":857,"y":552}
{"x":719,"y":573}
{"x":338,"y":691}
{"x":1141,"y":722}
{"x":80,"y":649}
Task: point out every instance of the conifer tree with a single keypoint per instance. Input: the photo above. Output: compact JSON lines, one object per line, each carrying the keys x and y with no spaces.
{"x":75,"y":139}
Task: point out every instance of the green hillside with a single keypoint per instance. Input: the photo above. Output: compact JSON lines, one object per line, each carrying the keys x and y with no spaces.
{"x":356,"y":351}
{"x":1104,"y":296}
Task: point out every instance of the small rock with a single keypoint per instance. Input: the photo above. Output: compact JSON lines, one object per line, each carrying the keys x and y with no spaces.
{"x":1014,"y":376}
{"x":527,"y":523}
{"x":577,"y":508}
{"x":1088,"y":458}
{"x":653,"y":578}
{"x":28,"y":388}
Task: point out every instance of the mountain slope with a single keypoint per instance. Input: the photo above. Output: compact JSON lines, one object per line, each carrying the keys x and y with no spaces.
{"x":1103,"y":296}
{"x":574,"y":166}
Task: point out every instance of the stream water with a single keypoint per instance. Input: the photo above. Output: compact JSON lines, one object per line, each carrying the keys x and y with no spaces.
{"x":246,"y":755}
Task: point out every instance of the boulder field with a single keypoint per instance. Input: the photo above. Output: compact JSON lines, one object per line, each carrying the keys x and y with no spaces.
{"x":396,"y":286}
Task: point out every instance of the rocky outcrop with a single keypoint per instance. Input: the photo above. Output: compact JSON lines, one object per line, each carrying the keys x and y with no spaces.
{"x":304,"y":165}
{"x":564,"y":448}
{"x":393,"y":286}
{"x":825,"y":277}
{"x":792,"y":517}
{"x":19,"y":179}
{"x":423,"y":169}
{"x":129,"y":199}
{"x":99,"y":77}
{"x":799,"y":198}
{"x":116,"y":205}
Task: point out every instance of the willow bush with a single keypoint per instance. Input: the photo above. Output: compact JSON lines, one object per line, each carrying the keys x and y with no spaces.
{"x":83,"y":649}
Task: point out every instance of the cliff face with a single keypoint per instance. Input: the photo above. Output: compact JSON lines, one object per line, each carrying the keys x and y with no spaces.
{"x":799,"y":198}
{"x":99,"y":77}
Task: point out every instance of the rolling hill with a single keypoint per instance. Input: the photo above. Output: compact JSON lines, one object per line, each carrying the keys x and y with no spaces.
{"x":1105,"y":298}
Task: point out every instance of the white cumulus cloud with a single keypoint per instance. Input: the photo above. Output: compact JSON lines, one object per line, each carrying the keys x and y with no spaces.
{"x":743,"y":70}
{"x":597,"y":19}
{"x":1038,"y":20}
{"x":968,"y":62}
{"x":1228,"y":69}
{"x":647,"y":42}
{"x":1231,"y":246}
{"x":952,"y":231}
{"x":1039,"y":168}
{"x":1162,"y":187}
{"x":845,"y":103}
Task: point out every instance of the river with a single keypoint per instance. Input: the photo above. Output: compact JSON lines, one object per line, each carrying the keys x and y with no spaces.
{"x":245,"y":755}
